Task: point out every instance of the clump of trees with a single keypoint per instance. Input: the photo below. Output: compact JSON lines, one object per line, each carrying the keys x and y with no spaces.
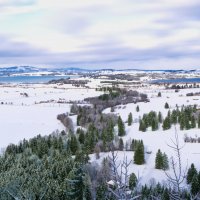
{"x":161,"y":161}
{"x":193,"y":179}
{"x":116,"y":96}
{"x":149,"y":120}
{"x":187,"y":117}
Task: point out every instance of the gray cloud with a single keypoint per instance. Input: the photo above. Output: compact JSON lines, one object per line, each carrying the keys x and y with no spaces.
{"x":110,"y":49}
{"x":9,"y":48}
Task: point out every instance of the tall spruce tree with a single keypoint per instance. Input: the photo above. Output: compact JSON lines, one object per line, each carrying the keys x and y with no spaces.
{"x":121,"y":144}
{"x":199,"y":121}
{"x":193,"y":122}
{"x":121,"y":127}
{"x":154,"y":124}
{"x":159,"y":160}
{"x":130,"y":119}
{"x":166,"y":123}
{"x":142,"y":126}
{"x":195,"y":185}
{"x":166,"y":105}
{"x":78,"y":185}
{"x":165,"y":162}
{"x":132,"y":181}
{"x":139,"y":154}
{"x":137,"y":108}
{"x":160,"y":118}
{"x":191,"y":173}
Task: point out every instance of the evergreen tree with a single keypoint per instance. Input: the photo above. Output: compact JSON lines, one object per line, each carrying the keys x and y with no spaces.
{"x":199,"y":121}
{"x":159,"y":94}
{"x":101,"y":191}
{"x":132,"y":181}
{"x":130,"y":119}
{"x":110,"y":131}
{"x":165,"y":162}
{"x":159,"y":160}
{"x":78,"y":185}
{"x":191,"y":173}
{"x":195,"y":186}
{"x":193,"y":122}
{"x":142,"y":126}
{"x":81,"y":137}
{"x":166,"y":194}
{"x":166,"y":123}
{"x":139,"y":154}
{"x":166,"y":105}
{"x":174,"y":117}
{"x":81,"y":157}
{"x":154,"y":124}
{"x":182,"y":122}
{"x":121,"y":128}
{"x":132,"y":147}
{"x":74,"y":145}
{"x":160,"y":118}
{"x":121,"y":144}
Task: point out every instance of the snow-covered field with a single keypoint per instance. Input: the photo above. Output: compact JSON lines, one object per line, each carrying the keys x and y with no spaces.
{"x":24,"y":117}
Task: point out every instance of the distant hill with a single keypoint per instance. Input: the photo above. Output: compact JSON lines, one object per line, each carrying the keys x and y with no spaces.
{"x":31,"y":69}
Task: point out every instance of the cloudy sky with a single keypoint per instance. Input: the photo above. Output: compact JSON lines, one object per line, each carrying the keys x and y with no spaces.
{"x":144,"y":34}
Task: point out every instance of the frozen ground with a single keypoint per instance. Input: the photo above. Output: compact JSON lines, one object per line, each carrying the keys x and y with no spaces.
{"x":24,"y":117}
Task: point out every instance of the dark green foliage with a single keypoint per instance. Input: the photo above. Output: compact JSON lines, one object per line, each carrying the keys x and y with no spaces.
{"x":166,"y":105}
{"x":139,"y":153}
{"x":191,"y":173}
{"x":174,"y":117}
{"x":146,"y":192}
{"x":193,"y":122}
{"x":121,"y":128}
{"x":160,"y":118}
{"x":40,"y":168}
{"x":132,"y":181}
{"x":193,"y":178}
{"x":91,"y":139}
{"x":161,"y":161}
{"x":78,"y":185}
{"x":130,"y":119}
{"x":154,"y":124}
{"x":81,"y":136}
{"x":149,"y":120}
{"x":195,"y":185}
{"x":121,"y":144}
{"x":142,"y":126}
{"x":166,"y":195}
{"x":74,"y":144}
{"x":81,"y":157}
{"x":165,"y":162}
{"x":102,"y":189}
{"x":166,"y":123}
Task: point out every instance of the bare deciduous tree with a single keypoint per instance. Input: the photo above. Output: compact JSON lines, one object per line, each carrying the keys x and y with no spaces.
{"x":178,"y":176}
